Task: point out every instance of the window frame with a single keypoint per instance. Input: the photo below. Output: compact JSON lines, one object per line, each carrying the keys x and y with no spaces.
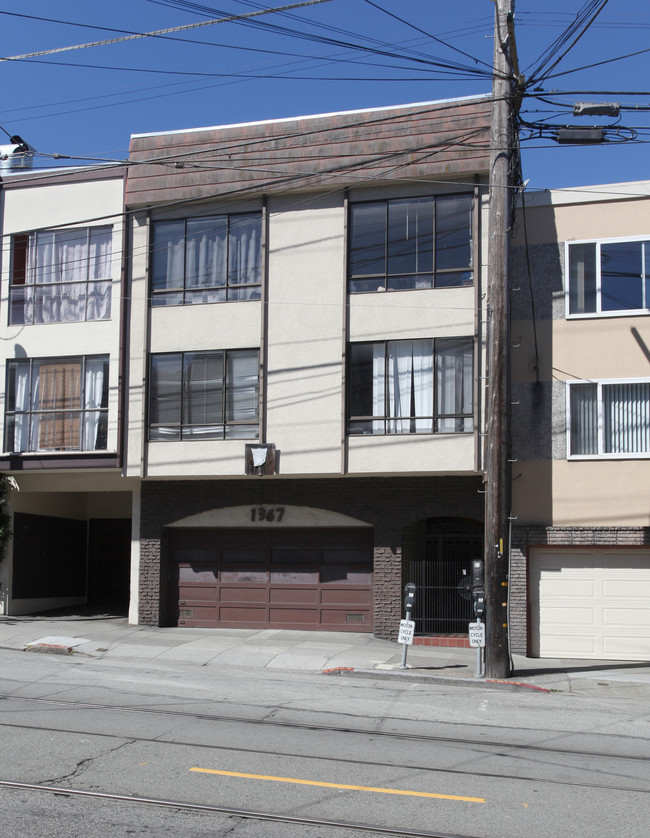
{"x":383,"y":278}
{"x":83,"y":412}
{"x":599,"y":313}
{"x":600,"y":418}
{"x":436,"y":416}
{"x":226,"y":394}
{"x":185,"y":291}
{"x":27,"y":242}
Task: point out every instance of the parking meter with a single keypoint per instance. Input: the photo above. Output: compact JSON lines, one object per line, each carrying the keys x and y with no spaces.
{"x":477,"y":573}
{"x":409,"y":599}
{"x":479,"y":602}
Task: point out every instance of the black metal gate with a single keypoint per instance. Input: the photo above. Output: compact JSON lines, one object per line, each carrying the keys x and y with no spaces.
{"x":437,"y":556}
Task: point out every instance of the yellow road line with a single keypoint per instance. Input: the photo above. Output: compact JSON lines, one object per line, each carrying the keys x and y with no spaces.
{"x":339,"y":785}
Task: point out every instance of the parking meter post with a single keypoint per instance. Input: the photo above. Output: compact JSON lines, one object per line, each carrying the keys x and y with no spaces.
{"x":479,"y":658}
{"x":409,"y":601}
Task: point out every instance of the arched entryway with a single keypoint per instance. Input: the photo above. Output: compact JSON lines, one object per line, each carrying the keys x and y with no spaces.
{"x":436,"y":556}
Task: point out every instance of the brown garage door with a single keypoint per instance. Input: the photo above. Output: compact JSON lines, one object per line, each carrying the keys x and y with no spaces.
{"x":285,"y":578}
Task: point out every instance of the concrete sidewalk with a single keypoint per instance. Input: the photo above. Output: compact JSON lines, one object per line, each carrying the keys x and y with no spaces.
{"x":356,"y":654}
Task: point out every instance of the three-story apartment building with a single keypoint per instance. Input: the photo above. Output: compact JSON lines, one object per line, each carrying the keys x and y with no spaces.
{"x":305,"y":364}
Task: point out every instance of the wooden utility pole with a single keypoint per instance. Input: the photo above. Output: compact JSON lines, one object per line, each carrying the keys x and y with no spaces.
{"x":497,"y":466}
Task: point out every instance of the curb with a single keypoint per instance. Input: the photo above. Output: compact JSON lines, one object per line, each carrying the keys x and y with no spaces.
{"x":446,"y":680}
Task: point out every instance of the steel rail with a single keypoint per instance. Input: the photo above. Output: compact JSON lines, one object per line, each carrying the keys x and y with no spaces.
{"x":222,"y":810}
{"x":210,"y":717}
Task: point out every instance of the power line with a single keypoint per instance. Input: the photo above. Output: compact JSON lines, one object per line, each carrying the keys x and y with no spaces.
{"x":159,"y":32}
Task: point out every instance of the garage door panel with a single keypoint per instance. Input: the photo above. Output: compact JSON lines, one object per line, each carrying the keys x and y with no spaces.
{"x":550,"y":616}
{"x":346,"y":596}
{"x":293,"y":595}
{"x":242,"y":593}
{"x":590,"y":603}
{"x":240,"y":614}
{"x":197,"y":593}
{"x":622,"y":617}
{"x":627,"y":589}
{"x":307,"y":616}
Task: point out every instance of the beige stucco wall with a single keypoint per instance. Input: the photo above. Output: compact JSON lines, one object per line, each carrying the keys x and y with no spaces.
{"x":584,"y":493}
{"x":305,"y":335}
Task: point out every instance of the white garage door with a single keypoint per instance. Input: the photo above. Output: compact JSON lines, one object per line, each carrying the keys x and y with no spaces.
{"x":590,"y":603}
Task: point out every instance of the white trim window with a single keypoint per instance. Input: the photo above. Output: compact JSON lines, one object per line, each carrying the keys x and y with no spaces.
{"x":607,"y":278}
{"x":608,"y":418}
{"x":411,"y":386}
{"x":57,"y":404}
{"x":61,"y":276}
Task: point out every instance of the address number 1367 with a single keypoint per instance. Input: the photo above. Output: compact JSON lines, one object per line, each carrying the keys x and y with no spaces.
{"x":267,"y":513}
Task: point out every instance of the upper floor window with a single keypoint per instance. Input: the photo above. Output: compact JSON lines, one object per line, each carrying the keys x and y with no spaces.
{"x":59,"y":276}
{"x":57,"y":404}
{"x":410,"y":243}
{"x":609,"y":277}
{"x":207,"y":260}
{"x":609,"y":418}
{"x":411,"y":386}
{"x":204,"y":395}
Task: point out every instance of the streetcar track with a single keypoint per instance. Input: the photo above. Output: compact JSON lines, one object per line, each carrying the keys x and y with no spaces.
{"x":222,"y":810}
{"x":481,"y":773}
{"x":327,"y":728}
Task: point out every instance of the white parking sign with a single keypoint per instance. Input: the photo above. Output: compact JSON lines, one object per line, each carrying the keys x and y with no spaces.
{"x":406,"y":632}
{"x":477,"y":634}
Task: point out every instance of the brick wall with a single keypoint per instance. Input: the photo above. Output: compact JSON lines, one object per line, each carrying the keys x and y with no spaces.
{"x":387,"y":503}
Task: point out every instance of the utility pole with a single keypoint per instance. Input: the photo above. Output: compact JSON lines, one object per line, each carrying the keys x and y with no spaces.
{"x":498,"y":478}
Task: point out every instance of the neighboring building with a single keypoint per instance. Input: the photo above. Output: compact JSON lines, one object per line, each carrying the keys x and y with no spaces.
{"x":61,"y":352}
{"x":580,"y":580}
{"x":305,"y":365}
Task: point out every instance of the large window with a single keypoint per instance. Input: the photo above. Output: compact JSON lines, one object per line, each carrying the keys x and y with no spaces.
{"x":609,"y":277}
{"x":59,"y":276}
{"x":609,"y":418}
{"x":410,"y":243}
{"x":411,"y":387}
{"x":57,"y":404}
{"x":206,"y":260}
{"x":204,"y":395}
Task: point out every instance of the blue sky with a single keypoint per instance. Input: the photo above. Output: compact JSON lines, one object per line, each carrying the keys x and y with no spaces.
{"x":338,"y":55}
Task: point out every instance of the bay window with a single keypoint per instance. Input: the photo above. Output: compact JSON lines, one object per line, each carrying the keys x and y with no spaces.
{"x":410,"y":243}
{"x":609,"y":277}
{"x":206,"y":260}
{"x":57,"y":404}
{"x":609,"y":418}
{"x":411,"y":386}
{"x":204,"y":395}
{"x":61,"y":276}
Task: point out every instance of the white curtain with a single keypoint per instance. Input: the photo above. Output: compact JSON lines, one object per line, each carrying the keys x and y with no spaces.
{"x":93,"y":392}
{"x":68,"y":276}
{"x":21,"y":420}
{"x":244,"y":249}
{"x":454,"y":385}
{"x":410,"y":382}
{"x":205,"y":257}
